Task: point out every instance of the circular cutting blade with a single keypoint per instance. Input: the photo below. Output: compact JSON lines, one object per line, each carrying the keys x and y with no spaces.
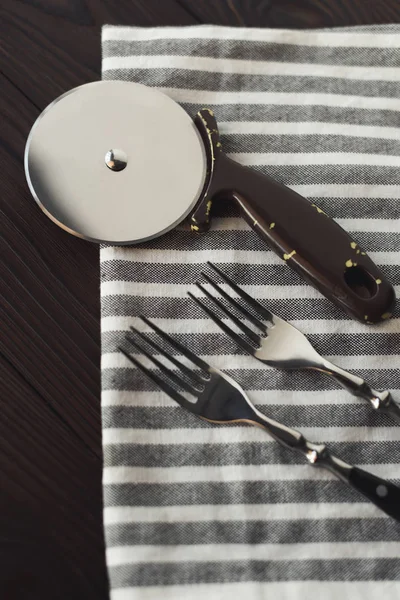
{"x":115,"y":162}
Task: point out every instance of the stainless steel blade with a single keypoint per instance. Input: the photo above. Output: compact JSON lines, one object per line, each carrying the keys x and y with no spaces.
{"x":115,"y":162}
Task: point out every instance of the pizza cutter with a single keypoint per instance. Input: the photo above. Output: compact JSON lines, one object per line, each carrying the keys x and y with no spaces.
{"x":122,"y":163}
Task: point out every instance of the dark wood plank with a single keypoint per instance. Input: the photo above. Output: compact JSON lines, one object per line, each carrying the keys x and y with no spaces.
{"x":294,"y":13}
{"x":64,"y":39}
{"x":49,"y":501}
{"x":50,"y":436}
{"x":333,"y":13}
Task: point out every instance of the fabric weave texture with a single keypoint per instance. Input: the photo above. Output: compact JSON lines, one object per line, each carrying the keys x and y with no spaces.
{"x":196,"y":511}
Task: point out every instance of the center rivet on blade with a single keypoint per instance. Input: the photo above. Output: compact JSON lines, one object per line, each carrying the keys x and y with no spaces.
{"x":116,"y":159}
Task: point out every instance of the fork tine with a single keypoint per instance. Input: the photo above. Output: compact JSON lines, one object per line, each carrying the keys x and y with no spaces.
{"x":191,"y":375}
{"x":246,"y":330}
{"x":259,"y":324}
{"x":232,"y":334}
{"x":253,"y":303}
{"x":167,"y":372}
{"x":163,"y":385}
{"x":178,"y":346}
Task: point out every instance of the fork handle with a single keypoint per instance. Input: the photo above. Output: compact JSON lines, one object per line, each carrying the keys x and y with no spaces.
{"x":382,"y":493}
{"x":383,"y":401}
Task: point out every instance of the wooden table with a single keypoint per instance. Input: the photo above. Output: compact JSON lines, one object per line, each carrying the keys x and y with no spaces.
{"x":51,"y":539}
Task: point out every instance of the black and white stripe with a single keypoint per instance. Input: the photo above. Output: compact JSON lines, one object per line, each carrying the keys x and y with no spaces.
{"x":192,"y":510}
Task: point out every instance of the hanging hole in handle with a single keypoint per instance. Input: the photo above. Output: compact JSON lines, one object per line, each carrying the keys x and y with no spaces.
{"x":360,"y":282}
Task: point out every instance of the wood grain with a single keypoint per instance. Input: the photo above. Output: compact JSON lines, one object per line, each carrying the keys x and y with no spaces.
{"x":50,"y":436}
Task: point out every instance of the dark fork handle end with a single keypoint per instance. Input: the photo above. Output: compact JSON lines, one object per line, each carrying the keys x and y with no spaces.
{"x":384,"y":494}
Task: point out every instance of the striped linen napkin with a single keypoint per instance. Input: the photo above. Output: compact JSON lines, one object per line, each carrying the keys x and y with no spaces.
{"x":198,"y":511}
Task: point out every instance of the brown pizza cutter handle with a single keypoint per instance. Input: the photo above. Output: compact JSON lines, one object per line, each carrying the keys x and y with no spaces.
{"x":300,"y":232}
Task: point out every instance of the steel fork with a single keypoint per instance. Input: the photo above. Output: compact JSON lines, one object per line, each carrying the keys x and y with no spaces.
{"x":279,"y":344}
{"x":217,"y":398}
